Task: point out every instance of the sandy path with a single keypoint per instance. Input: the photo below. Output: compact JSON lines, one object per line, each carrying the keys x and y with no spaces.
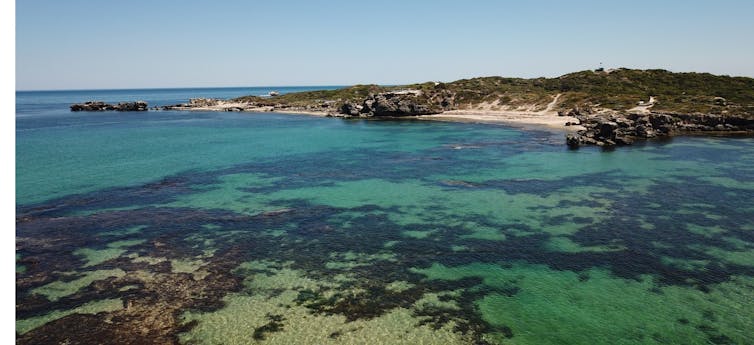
{"x":551,"y":105}
{"x":644,"y":109}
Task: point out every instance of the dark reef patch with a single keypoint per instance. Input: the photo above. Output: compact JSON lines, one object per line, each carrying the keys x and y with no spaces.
{"x":275,"y":325}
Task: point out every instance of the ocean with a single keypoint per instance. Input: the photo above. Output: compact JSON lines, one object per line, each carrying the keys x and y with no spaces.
{"x":240,"y":228}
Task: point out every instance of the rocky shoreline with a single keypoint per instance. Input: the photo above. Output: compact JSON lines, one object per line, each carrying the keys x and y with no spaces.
{"x":624,"y":129}
{"x":211,"y":104}
{"x":589,"y":127}
{"x":599,"y":107}
{"x":398,"y":103}
{"x":385,"y":104}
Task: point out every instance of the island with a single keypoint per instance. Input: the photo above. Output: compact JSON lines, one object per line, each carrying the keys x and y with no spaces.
{"x":102,"y":106}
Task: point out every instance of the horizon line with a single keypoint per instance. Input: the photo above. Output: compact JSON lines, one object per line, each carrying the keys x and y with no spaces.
{"x":176,"y":88}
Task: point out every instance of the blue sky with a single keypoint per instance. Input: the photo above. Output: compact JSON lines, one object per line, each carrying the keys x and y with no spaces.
{"x":131,"y":44}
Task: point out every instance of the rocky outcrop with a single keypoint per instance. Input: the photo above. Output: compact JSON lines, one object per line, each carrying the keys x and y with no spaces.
{"x":195,"y":103}
{"x":350,"y":109}
{"x":102,"y":106}
{"x":577,"y":111}
{"x":203,"y":102}
{"x":625,"y":129}
{"x":132,"y":106}
{"x":396,"y":103}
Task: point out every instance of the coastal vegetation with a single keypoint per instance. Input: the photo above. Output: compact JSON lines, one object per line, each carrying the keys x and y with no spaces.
{"x":676,"y":92}
{"x":351,"y":93}
{"x":617,"y":90}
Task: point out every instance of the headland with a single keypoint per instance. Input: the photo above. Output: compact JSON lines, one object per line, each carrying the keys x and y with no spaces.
{"x":599,"y":107}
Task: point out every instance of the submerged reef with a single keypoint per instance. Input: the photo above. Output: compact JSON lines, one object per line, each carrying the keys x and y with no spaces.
{"x":240,"y":255}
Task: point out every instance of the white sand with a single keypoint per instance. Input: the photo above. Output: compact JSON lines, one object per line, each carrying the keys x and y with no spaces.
{"x":487,"y":113}
{"x":511,"y":117}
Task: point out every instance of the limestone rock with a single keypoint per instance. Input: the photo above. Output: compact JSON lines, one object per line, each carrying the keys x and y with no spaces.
{"x":349,"y":108}
{"x":396,"y":103}
{"x":625,"y":129}
{"x":573,"y":140}
{"x":102,"y":106}
{"x":132,"y":106}
{"x":202,"y":102}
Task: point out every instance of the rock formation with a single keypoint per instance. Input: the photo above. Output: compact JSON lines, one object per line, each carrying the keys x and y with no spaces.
{"x":619,"y":129}
{"x":397,"y":103}
{"x":203,"y":102}
{"x":102,"y":106}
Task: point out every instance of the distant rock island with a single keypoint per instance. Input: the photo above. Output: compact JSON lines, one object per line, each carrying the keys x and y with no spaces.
{"x":599,"y":107}
{"x":102,"y":106}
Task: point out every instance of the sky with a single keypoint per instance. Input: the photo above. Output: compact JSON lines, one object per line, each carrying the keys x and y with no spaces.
{"x":77,"y":44}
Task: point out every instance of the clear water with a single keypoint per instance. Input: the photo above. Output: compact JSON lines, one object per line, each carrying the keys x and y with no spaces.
{"x":228,"y":228}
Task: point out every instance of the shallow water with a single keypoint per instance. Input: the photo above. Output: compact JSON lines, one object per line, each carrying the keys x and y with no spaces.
{"x":226,"y":228}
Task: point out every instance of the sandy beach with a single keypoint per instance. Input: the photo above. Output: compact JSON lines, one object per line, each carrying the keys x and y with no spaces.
{"x":524,"y":116}
{"x":509,"y":117}
{"x":492,"y":113}
{"x":483,"y":113}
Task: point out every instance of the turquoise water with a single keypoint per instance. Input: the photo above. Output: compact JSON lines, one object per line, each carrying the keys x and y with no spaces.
{"x":228,"y":228}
